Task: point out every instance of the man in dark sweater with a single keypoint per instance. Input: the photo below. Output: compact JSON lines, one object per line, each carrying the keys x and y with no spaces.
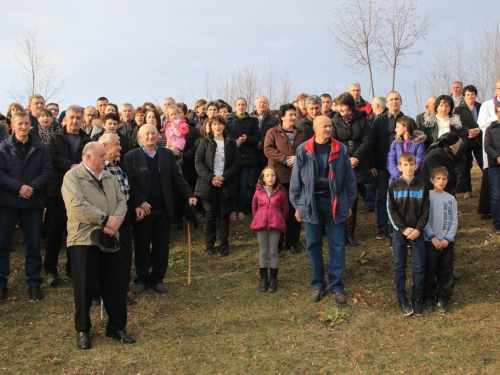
{"x":153,"y":172}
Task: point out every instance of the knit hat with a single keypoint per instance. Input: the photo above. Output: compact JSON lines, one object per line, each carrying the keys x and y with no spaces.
{"x":446,"y":140}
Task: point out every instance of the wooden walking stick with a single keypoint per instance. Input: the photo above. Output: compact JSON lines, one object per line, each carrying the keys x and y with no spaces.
{"x":189,"y":252}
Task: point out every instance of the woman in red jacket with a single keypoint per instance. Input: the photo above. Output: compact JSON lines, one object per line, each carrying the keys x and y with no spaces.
{"x":269,"y":208}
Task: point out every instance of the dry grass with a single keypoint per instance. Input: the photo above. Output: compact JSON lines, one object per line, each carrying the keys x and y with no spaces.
{"x":222,"y":324}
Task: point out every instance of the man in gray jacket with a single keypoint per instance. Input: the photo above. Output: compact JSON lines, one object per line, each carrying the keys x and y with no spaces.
{"x":93,"y":201}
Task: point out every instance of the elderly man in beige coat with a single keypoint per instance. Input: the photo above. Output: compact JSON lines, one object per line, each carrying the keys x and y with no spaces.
{"x":94,"y":201}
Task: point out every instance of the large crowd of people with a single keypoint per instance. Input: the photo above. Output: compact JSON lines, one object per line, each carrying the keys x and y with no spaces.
{"x":113,"y":180}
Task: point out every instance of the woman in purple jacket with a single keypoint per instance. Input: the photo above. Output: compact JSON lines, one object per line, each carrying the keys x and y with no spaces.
{"x":407,"y":139}
{"x":269,"y":209}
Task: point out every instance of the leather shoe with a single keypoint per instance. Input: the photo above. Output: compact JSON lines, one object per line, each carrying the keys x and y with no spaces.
{"x":96,"y":302}
{"x":294,"y":250}
{"x":317,"y":295}
{"x":3,"y":293}
{"x":224,"y":251}
{"x":210,"y":250}
{"x":52,"y":279}
{"x":83,"y":340}
{"x":351,"y":241}
{"x":139,"y":288}
{"x":35,"y":293}
{"x":160,"y":288}
{"x":120,"y":335}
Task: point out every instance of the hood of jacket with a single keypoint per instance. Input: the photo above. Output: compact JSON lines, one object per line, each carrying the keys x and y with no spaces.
{"x":417,"y":138}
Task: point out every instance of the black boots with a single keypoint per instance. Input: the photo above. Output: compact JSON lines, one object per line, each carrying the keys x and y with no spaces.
{"x":273,"y":282}
{"x":263,"y":280}
{"x":272,"y":285}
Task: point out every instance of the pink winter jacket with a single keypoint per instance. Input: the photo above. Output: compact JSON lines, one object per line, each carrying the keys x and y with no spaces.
{"x":176,"y":133}
{"x":269,"y":212}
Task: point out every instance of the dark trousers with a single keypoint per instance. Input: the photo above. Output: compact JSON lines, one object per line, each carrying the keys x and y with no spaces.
{"x":217,"y":211}
{"x":90,"y":265}
{"x":126,"y":243}
{"x":438,"y":280}
{"x":151,"y":238}
{"x":57,"y":223}
{"x":292,"y":235}
{"x":462,"y":168}
{"x":31,"y":222}
{"x":350,"y":223}
{"x":484,"y":206}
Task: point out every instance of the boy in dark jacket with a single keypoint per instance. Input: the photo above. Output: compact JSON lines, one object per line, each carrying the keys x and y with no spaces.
{"x":409,"y":209}
{"x":492,"y":149}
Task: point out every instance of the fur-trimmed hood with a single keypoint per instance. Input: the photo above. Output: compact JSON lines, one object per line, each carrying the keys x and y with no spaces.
{"x":417,"y":138}
{"x":430,"y":121}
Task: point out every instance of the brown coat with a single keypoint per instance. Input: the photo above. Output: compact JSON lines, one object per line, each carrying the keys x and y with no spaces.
{"x":277,"y":148}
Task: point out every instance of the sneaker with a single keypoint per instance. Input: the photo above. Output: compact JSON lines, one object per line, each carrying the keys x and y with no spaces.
{"x":340,"y":298}
{"x":429,"y":305}
{"x":52,"y":279}
{"x":233,"y":216}
{"x":405,"y":307}
{"x":241,"y":216}
{"x":443,"y":307}
{"x":418,"y":307}
{"x":317,"y":295}
{"x":381,"y":235}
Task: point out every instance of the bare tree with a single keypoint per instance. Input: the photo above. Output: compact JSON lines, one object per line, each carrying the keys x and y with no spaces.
{"x":39,"y":76}
{"x":357,"y":32}
{"x":403,"y":28}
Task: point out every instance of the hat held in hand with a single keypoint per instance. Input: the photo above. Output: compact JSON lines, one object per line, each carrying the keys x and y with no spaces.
{"x":108,"y":244}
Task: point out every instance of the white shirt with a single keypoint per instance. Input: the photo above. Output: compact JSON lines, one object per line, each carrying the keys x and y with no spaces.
{"x":484,"y":119}
{"x":219,"y":159}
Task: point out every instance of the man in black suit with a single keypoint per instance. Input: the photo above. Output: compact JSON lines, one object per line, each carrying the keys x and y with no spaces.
{"x":153,"y":172}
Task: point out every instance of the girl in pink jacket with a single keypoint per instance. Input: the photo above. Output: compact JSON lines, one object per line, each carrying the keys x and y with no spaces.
{"x":175,"y":131}
{"x":269,"y":209}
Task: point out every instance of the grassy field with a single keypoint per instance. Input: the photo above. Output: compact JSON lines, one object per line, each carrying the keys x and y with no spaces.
{"x":222,"y":324}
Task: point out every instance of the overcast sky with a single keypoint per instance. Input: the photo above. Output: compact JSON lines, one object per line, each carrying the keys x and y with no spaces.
{"x":146,"y":50}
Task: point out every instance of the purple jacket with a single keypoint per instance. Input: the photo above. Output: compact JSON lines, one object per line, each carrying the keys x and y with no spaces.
{"x":416,"y":147}
{"x":269,"y":212}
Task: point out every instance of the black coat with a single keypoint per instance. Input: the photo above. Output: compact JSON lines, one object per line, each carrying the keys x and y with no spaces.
{"x":268,"y":122}
{"x":204,"y":162}
{"x":35,"y":171}
{"x":356,"y":136}
{"x":431,"y":130}
{"x":468,"y":122}
{"x":306,"y":125}
{"x":188,"y":169}
{"x":170,"y":177}
{"x":236,"y":127}
{"x":492,"y":144}
{"x":438,"y":157}
{"x":60,"y":152}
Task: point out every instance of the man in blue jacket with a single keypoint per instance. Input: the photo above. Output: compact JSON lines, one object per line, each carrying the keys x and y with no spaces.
{"x":25,"y":172}
{"x":323,"y":190}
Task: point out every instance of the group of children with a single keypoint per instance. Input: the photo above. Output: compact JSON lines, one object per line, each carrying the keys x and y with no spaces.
{"x":422,"y":219}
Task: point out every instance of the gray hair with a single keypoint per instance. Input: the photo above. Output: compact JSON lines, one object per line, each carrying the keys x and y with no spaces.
{"x":75,"y":108}
{"x":128,"y":105}
{"x":18,"y":114}
{"x":169,"y":98}
{"x":107,"y":139}
{"x":91,"y":106}
{"x":380,"y":100}
{"x":313,"y":99}
{"x":89,"y":148}
{"x":356,"y":84}
{"x":261,"y":96}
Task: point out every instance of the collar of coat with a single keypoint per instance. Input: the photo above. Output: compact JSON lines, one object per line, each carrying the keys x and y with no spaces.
{"x":431,"y":121}
{"x":335,"y":148}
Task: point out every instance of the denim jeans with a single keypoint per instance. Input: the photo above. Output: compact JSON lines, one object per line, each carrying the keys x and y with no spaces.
{"x":494,"y":175}
{"x":399,"y":242}
{"x":370,"y":194}
{"x":382,"y":187}
{"x":243,"y":175}
{"x":336,"y":248}
{"x":31,"y":222}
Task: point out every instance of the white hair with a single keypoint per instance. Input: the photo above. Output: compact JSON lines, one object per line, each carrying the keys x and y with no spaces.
{"x":107,"y":139}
